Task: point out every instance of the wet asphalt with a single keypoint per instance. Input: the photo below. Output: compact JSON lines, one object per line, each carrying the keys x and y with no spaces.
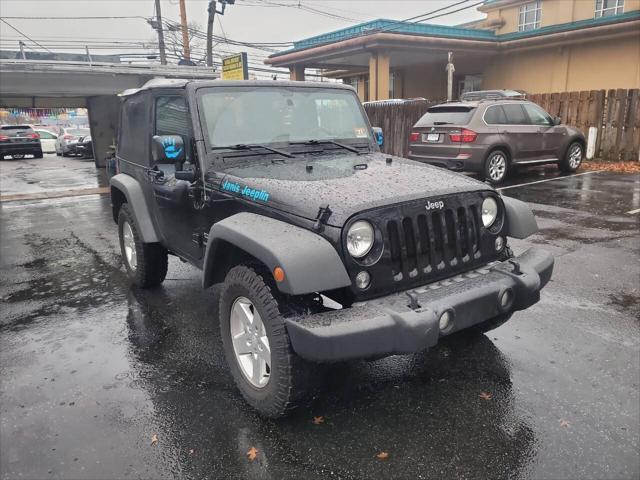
{"x":93,"y":371}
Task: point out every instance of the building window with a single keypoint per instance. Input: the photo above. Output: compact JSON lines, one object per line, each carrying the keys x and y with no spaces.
{"x":606,"y":8}
{"x":392,"y":85}
{"x":529,"y":18}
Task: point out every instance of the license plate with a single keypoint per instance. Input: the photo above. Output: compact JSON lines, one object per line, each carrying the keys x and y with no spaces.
{"x":433,"y":137}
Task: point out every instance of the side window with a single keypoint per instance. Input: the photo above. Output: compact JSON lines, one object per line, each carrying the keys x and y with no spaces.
{"x":172,"y":118}
{"x":537,"y":115}
{"x":45,"y":135}
{"x":515,"y":114}
{"x":134,"y":125}
{"x":495,"y":116}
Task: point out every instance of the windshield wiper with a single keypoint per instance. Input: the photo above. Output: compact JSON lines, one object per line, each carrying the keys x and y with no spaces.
{"x":330,"y":142}
{"x":253,"y":146}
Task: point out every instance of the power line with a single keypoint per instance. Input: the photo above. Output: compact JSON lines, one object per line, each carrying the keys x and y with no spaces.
{"x":23,"y":34}
{"x":78,"y":18}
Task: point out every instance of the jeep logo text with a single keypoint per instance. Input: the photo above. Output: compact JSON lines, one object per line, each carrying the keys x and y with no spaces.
{"x":434,"y":205}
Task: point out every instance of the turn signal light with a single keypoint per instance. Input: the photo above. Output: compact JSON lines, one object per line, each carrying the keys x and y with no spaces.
{"x":414,"y":137}
{"x":4,"y":137}
{"x":278,"y":274}
{"x":465,"y":136}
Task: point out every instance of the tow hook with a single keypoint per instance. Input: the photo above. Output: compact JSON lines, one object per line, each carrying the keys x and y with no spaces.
{"x":413,"y":301}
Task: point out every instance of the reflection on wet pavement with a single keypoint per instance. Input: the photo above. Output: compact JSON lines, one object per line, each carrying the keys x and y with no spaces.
{"x":92,"y":369}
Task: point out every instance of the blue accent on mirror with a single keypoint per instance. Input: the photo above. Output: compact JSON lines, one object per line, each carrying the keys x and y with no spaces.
{"x":170,"y":150}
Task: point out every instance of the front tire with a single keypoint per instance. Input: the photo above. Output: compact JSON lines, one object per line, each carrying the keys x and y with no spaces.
{"x":146,"y":263}
{"x":270,"y":376}
{"x":496,"y":166}
{"x":572,"y":159}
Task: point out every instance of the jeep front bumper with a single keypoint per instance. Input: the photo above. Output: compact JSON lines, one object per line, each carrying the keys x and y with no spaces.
{"x":408,"y":322}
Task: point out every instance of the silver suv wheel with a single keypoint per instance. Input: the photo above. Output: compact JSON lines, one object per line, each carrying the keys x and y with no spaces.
{"x":250,"y":342}
{"x":575,"y":156}
{"x":497,"y":167}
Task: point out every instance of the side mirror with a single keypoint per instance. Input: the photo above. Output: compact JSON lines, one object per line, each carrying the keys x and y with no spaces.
{"x":378,"y":135}
{"x":167,"y":149}
{"x":557,"y":120}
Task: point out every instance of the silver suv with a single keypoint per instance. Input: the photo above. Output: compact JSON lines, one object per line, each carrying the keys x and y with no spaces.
{"x":492,"y":136}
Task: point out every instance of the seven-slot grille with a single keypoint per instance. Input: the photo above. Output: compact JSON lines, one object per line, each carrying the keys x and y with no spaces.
{"x":433,"y":241}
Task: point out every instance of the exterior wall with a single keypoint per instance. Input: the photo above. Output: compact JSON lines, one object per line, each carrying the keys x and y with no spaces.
{"x":428,"y":81}
{"x":602,"y":65}
{"x":553,"y":12}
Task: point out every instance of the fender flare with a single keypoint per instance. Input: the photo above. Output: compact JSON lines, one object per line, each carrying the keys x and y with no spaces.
{"x":132,"y":191}
{"x":521,"y":223}
{"x":309,"y":261}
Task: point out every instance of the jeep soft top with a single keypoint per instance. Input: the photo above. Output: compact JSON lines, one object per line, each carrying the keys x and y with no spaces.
{"x":326,"y":248}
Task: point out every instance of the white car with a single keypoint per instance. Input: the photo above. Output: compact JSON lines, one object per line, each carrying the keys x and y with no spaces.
{"x":68,"y":136}
{"x":48,"y":140}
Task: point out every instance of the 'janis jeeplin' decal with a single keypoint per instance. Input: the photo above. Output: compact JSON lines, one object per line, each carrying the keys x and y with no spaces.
{"x":246,"y":191}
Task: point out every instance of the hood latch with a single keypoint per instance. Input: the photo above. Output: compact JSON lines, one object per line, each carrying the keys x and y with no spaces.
{"x":323,"y":216}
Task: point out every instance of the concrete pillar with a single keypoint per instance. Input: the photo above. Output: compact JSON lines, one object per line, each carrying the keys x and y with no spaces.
{"x":361,"y":86}
{"x":104,"y":116}
{"x":296,"y":73}
{"x":379,"y":76}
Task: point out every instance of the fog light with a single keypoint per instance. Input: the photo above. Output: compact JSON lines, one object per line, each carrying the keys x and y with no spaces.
{"x":505,"y":299}
{"x":363,"y":279}
{"x":445,"y":320}
{"x":499,"y":243}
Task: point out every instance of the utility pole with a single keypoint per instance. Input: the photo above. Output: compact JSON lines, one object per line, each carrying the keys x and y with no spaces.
{"x":185,"y":31}
{"x":212,"y":13}
{"x":450,"y":70}
{"x":163,"y":54}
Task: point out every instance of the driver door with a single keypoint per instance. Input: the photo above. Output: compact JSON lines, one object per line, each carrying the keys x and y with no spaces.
{"x":172,"y":205}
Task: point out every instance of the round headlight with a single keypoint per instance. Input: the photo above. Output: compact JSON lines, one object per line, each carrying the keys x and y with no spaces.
{"x":360,"y":239}
{"x":489,"y":211}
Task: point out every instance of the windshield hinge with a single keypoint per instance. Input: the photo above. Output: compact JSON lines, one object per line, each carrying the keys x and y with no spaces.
{"x":323,"y":216}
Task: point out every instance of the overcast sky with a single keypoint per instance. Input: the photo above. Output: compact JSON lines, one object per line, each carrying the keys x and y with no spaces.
{"x":247,"y":20}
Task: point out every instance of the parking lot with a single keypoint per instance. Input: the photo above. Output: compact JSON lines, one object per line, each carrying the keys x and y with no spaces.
{"x":100,"y":380}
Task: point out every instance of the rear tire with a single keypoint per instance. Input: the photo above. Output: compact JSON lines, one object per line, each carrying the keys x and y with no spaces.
{"x":146,"y":263}
{"x":247,"y":300}
{"x":572,"y":158}
{"x":496,"y":167}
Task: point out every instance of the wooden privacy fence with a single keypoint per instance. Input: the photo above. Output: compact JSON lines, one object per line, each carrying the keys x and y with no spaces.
{"x":396,"y":121}
{"x":614,"y":113}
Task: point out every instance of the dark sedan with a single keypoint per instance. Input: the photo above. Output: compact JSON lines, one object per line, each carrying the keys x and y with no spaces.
{"x":19,"y":140}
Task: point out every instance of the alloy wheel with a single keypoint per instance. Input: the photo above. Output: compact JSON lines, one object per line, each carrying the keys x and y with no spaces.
{"x":575,"y":156}
{"x":250,"y":342}
{"x":129,"y":245}
{"x":497,"y":166}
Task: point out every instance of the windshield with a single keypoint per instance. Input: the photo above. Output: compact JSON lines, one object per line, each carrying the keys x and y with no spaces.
{"x":262,"y":115}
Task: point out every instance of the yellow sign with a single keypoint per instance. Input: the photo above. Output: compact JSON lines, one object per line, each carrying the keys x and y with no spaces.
{"x":235,"y":67}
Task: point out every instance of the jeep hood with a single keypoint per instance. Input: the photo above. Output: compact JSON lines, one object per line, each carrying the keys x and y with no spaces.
{"x":348,"y":183}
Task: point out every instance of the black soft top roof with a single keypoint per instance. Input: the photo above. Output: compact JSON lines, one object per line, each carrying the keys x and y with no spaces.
{"x":180,"y":83}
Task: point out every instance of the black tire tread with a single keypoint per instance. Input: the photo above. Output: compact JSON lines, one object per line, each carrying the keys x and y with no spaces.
{"x":152,"y":258}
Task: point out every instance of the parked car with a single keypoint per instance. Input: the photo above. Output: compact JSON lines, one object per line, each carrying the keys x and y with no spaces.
{"x":18,"y":141}
{"x":47,"y":140}
{"x":67,"y":137}
{"x":84,"y":147}
{"x":326,"y":249}
{"x":493,"y":136}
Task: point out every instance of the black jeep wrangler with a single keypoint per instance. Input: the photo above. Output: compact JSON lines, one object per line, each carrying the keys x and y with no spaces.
{"x":326,"y":249}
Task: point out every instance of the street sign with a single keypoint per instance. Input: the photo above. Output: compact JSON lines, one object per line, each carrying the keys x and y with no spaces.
{"x":235,"y":67}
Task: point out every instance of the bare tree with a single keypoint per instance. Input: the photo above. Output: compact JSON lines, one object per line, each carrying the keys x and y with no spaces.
{"x":175,"y":46}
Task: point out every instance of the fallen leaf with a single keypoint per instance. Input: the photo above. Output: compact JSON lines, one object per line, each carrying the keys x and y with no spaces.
{"x":485,"y":396}
{"x":564,"y":423}
{"x":154,"y":439}
{"x":191,"y":451}
{"x":317,"y":420}
{"x":252,"y":454}
{"x":383,"y":455}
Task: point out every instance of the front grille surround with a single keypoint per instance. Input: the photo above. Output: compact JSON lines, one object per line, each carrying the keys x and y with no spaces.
{"x":421,"y":246}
